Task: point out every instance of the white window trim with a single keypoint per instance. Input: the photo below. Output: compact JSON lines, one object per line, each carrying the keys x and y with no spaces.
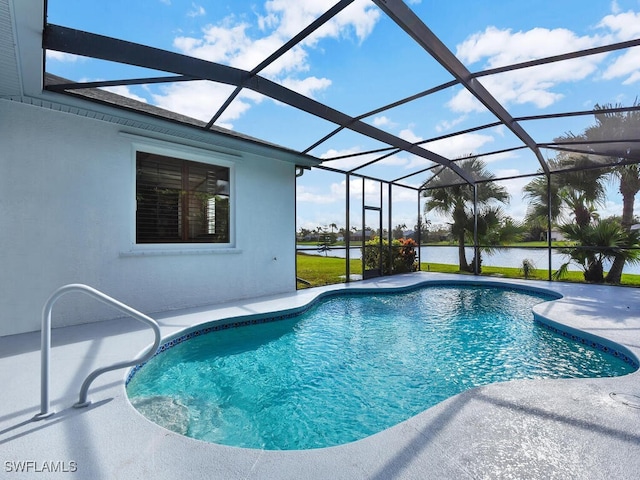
{"x":194,"y":154}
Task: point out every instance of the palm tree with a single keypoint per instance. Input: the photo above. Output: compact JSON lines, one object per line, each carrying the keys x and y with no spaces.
{"x":494,"y":229}
{"x":536,"y":192}
{"x":448,"y":196}
{"x":597,"y":241}
{"x":579,"y":189}
{"x":622,"y":126}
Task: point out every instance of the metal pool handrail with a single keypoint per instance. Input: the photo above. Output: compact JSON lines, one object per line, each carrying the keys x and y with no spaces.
{"x":46,"y":344}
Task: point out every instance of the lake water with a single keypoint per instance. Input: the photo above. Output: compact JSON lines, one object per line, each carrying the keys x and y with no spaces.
{"x":506,"y":257}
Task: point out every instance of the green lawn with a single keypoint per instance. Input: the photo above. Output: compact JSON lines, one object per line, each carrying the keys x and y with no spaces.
{"x":320,"y":270}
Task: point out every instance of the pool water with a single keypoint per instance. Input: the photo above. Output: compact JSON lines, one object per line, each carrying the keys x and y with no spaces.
{"x":354,"y":365}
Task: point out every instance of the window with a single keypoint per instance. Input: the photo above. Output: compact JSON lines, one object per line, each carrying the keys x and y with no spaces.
{"x":180,"y":201}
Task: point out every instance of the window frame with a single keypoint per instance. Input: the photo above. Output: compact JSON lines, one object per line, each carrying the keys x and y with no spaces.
{"x":188,"y":154}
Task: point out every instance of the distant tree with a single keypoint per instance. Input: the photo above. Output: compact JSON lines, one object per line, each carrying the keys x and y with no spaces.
{"x":398,"y":232}
{"x":304,"y":233}
{"x":325,"y":240}
{"x":421,"y":229}
{"x":534,"y":230}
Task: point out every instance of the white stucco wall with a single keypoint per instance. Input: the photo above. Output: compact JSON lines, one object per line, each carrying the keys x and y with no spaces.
{"x":67,"y":206}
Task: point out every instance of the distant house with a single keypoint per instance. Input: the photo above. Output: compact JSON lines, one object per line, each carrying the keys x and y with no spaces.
{"x":357,"y":236}
{"x":139,"y":202}
{"x":557,"y":235}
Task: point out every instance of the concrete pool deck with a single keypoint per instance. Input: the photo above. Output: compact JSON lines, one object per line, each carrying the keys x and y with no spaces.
{"x":521,"y":429}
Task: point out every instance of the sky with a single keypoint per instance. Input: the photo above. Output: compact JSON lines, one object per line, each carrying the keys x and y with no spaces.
{"x":361,"y":60}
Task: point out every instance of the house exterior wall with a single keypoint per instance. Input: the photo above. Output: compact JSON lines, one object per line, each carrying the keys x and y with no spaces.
{"x":67,"y":204}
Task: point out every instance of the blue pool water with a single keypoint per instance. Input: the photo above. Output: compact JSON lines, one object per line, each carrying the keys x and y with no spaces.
{"x":352,"y":366}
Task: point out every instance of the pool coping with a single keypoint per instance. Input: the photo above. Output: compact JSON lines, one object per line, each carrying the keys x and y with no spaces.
{"x":516,"y":429}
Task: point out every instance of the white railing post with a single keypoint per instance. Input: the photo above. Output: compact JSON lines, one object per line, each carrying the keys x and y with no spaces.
{"x":45,"y":356}
{"x":45,"y":336}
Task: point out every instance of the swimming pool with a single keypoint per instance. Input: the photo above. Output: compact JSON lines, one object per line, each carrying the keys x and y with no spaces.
{"x":351,"y":366}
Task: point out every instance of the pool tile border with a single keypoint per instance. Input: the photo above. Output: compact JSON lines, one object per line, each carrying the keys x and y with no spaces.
{"x":237,"y":322}
{"x":219,"y":325}
{"x":591,"y":343}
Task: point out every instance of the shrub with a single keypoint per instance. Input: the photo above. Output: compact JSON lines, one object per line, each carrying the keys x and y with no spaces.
{"x":528,"y":268}
{"x":400,"y":258}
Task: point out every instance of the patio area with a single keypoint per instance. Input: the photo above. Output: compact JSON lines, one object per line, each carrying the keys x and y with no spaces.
{"x":521,"y":429}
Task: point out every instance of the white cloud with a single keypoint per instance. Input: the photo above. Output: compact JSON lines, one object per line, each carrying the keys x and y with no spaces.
{"x":535,"y":85}
{"x":610,"y":208}
{"x":307,"y":86}
{"x":63,"y":57}
{"x":408,"y":135}
{"x":121,"y":90}
{"x":500,"y":130}
{"x":626,"y":65}
{"x":392,"y":162}
{"x":517,"y":206}
{"x":323,"y":203}
{"x":404,"y":195}
{"x":347,"y":163}
{"x":419,"y":163}
{"x":286,"y":19}
{"x":615,"y":8}
{"x":359,"y":18}
{"x":335,"y":192}
{"x":227,"y":43}
{"x":510,"y":172}
{"x":201,"y":99}
{"x":332,"y":152}
{"x":498,"y":157}
{"x":460,"y":145}
{"x":454,"y":147}
{"x":382,"y":121}
{"x":312,"y":195}
{"x":538,"y":85}
{"x":398,"y":160}
{"x":633,"y":78}
{"x":624,"y":26}
{"x":124,"y":91}
{"x":445,"y":125}
{"x":464,"y":102}
{"x":196,"y":11}
{"x":504,"y":47}
{"x":235,"y":42}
